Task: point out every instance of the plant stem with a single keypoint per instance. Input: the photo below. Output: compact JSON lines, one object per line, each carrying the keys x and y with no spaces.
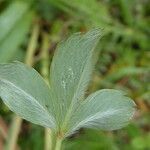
{"x":17,"y":121}
{"x":3,"y":128}
{"x":48,"y":140}
{"x":45,"y":57}
{"x":32,"y":46}
{"x":13,"y":133}
{"x":45,"y":73}
{"x":58,"y":143}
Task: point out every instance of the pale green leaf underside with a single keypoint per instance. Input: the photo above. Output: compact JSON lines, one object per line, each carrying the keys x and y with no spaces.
{"x":24,"y":91}
{"x":70,"y":71}
{"x":106,"y":109}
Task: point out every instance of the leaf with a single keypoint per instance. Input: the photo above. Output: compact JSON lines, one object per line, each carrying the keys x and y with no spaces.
{"x":106,"y":109}
{"x":71,"y":70}
{"x":14,"y":24}
{"x":11,"y":16}
{"x":24,"y":91}
{"x":61,"y":107}
{"x":97,"y":13}
{"x":15,"y":38}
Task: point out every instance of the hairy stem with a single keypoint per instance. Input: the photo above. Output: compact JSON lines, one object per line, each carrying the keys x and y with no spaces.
{"x":17,"y":121}
{"x":13,"y":133}
{"x":48,"y":141}
{"x":32,"y":46}
{"x":58,"y":143}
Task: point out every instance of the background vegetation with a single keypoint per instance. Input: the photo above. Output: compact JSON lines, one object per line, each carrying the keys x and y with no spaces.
{"x":123,"y":62}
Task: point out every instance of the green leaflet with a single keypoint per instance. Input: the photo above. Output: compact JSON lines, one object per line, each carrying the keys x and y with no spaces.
{"x":24,"y":91}
{"x":61,"y":107}
{"x":106,"y":109}
{"x":70,"y":71}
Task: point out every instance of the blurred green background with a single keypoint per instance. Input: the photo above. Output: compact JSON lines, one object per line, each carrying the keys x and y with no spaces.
{"x":123,"y":62}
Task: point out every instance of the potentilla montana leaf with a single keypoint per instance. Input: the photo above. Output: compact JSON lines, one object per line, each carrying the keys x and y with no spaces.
{"x":62,"y":106}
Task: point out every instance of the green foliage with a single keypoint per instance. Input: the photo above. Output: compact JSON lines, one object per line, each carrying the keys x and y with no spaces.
{"x":70,"y":71}
{"x":105,"y":109}
{"x":122,"y":64}
{"x":25,"y":92}
{"x":62,"y":107}
{"x":90,"y":139}
{"x":83,"y":9}
{"x":141,"y":142}
{"x":14,"y":24}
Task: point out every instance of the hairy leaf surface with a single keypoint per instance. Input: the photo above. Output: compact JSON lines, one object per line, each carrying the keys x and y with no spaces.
{"x":70,"y":71}
{"x":61,"y":107}
{"x":24,"y":91}
{"x":106,"y":109}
